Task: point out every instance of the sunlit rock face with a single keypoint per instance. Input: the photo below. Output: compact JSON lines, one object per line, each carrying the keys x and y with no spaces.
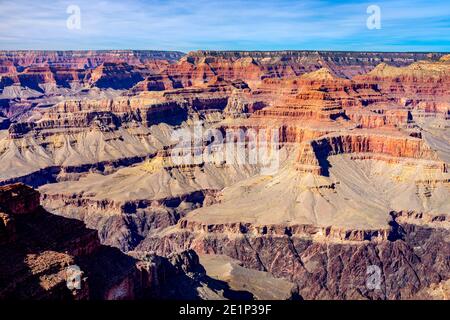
{"x":49,"y":257}
{"x":361,"y":178}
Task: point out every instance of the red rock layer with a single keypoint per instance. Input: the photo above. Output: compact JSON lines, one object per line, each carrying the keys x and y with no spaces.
{"x":115,"y":76}
{"x":313,"y":154}
{"x":422,"y":85}
{"x":82,"y":59}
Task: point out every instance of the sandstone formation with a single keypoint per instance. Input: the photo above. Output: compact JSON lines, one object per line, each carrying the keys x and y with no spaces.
{"x":362,"y":149}
{"x":293,"y":63}
{"x":38,"y":250}
{"x":80,"y":59}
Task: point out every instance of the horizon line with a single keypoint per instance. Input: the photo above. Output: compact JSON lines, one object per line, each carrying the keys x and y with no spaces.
{"x":225,"y":51}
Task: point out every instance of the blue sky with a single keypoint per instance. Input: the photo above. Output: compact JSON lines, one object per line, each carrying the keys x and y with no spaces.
{"x":406,"y":25}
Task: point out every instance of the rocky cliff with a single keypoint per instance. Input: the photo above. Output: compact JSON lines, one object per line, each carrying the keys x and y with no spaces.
{"x":411,"y":266}
{"x":80,"y":59}
{"x":39,"y":251}
{"x":360,"y":144}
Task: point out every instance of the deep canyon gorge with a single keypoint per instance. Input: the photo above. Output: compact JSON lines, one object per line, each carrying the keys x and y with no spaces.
{"x":87,"y":175}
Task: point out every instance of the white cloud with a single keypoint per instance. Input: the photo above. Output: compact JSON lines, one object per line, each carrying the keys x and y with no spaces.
{"x":214,"y":24}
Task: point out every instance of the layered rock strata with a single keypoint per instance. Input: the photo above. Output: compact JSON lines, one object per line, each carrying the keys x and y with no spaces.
{"x":44,"y":256}
{"x":361,"y":180}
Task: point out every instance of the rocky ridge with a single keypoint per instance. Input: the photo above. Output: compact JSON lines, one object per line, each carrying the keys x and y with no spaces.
{"x":39,"y":250}
{"x":363,"y":173}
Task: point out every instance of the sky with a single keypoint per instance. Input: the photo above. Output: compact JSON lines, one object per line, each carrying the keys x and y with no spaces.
{"x":186,"y":25}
